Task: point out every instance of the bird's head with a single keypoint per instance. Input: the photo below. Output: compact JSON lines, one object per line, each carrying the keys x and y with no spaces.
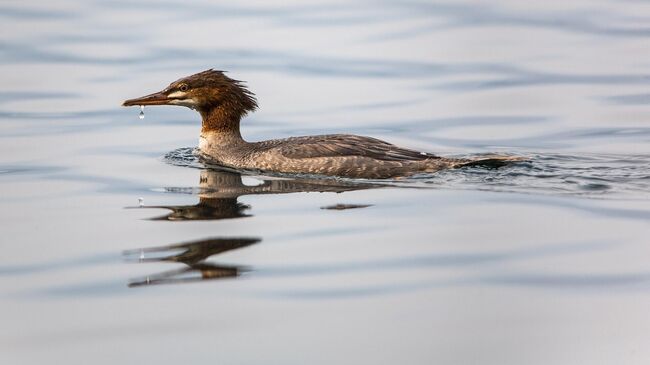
{"x":203,"y":92}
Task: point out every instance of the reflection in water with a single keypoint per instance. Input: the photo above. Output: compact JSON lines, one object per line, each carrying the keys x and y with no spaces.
{"x":193,"y":254}
{"x":219,"y":190}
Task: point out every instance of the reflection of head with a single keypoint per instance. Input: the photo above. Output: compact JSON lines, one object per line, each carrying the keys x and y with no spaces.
{"x":193,"y":254}
{"x":206,"y":209}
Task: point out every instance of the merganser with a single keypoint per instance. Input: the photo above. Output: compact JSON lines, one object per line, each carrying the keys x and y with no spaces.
{"x":223,"y":101}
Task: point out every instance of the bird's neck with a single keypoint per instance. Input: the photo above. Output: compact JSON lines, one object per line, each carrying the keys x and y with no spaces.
{"x":220,"y":125}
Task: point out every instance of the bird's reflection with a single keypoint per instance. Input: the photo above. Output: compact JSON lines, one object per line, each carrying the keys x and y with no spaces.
{"x":193,"y":254}
{"x":219,"y":190}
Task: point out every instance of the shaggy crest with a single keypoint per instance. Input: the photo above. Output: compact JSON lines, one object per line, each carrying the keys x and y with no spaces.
{"x":213,"y":88}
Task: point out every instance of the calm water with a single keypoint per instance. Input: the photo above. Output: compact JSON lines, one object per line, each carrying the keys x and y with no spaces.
{"x":545,"y":262}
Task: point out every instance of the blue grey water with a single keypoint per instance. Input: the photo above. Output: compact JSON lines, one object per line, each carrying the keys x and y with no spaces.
{"x":547,"y":261}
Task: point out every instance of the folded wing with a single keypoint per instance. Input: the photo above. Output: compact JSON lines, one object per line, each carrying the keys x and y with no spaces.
{"x":339,"y":145}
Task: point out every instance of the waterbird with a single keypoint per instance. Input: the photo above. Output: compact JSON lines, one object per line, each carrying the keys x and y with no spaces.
{"x":223,"y":102}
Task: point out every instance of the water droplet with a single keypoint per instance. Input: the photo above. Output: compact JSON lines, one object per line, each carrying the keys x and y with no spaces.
{"x":141,"y":111}
{"x":141,"y":202}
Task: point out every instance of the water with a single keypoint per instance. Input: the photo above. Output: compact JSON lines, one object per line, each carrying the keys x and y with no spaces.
{"x":540,"y":262}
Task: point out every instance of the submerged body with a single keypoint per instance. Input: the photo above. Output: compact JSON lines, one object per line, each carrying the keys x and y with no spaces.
{"x":222,"y":103}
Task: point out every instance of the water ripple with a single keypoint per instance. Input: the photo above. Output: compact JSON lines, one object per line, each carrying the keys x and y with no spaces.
{"x":557,"y":174}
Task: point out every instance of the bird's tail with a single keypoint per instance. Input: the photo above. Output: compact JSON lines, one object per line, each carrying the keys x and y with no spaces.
{"x":490,"y":161}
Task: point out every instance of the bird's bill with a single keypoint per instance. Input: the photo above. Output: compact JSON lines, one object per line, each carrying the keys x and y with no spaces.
{"x":159,"y":98}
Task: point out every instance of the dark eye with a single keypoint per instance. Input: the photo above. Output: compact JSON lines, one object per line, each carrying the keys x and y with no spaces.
{"x":183,"y":88}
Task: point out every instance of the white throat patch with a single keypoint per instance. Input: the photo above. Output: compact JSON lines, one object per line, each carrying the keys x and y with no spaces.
{"x":179,"y":98}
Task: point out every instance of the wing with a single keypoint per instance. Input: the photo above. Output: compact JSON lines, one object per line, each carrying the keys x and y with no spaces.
{"x":338,"y":145}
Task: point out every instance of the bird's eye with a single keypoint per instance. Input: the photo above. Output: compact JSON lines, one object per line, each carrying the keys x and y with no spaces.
{"x":183,"y":88}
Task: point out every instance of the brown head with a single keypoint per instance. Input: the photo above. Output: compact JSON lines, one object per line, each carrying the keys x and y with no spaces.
{"x":221,"y":100}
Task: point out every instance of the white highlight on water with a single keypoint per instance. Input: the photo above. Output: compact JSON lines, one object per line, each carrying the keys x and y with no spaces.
{"x":141,"y":111}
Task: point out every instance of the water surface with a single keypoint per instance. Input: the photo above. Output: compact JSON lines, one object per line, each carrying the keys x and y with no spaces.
{"x":541,"y":262}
